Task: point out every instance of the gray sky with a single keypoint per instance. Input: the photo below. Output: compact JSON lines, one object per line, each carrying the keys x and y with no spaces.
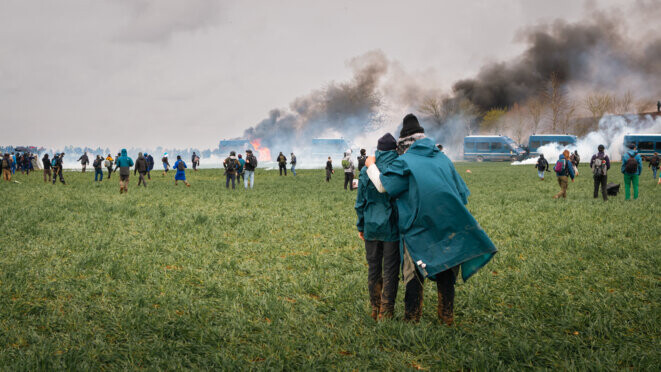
{"x":186,"y":73}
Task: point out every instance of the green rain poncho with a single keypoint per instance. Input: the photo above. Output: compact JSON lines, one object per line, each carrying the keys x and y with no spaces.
{"x":439,"y":232}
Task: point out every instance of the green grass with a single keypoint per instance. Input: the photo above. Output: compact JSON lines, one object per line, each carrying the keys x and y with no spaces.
{"x":203,"y":277}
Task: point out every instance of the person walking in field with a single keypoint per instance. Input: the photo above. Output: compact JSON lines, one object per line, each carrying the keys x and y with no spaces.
{"x":46,"y":162}
{"x":231,"y":165}
{"x":329,"y":169}
{"x":542,"y":166}
{"x":282,"y":163}
{"x":166,"y":163}
{"x":150,"y":165}
{"x":438,"y":235}
{"x":240,"y":172}
{"x":193,"y":160}
{"x":361,"y":159}
{"x":84,"y":160}
{"x":13,"y":163}
{"x":654,"y":163}
{"x":600,"y":164}
{"x":563,"y":170}
{"x":5,"y":165}
{"x":292,"y":161}
{"x":180,"y":167}
{"x":124,"y":163}
{"x":377,"y":227}
{"x":575,"y":159}
{"x":108,"y":163}
{"x":347,"y":164}
{"x":58,"y":166}
{"x":250,"y":166}
{"x":141,"y":168}
{"x":632,"y":166}
{"x":97,"y":164}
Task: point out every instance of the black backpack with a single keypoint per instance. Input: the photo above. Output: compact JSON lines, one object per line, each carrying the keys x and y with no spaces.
{"x":180,"y":165}
{"x":253,"y":161}
{"x":631,"y":166}
{"x":97,"y":163}
{"x":5,"y":163}
{"x":231,"y":165}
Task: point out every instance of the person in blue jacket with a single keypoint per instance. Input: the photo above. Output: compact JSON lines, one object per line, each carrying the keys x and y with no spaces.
{"x":124,"y":163}
{"x":632,"y":166}
{"x":180,"y":167}
{"x":566,"y":171}
{"x":377,"y":226}
{"x":438,"y":234}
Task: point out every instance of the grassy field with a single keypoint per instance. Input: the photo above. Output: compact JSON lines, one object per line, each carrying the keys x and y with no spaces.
{"x":275,"y":278}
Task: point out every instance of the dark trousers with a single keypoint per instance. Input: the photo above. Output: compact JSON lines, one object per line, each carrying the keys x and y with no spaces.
{"x":444,"y":286}
{"x":228,"y":178}
{"x":98,"y":172}
{"x":141,"y":179}
{"x":600,"y":181}
{"x":282,"y":167}
{"x":382,"y":273}
{"x":239,"y":176}
{"x":328,"y":175}
{"x":57,"y":172}
{"x":109,"y":172}
{"x":149,"y":174}
{"x":348,"y":179}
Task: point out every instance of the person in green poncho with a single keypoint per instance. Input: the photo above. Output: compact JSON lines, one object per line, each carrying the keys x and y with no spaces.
{"x":439,"y":236}
{"x":377,"y":226}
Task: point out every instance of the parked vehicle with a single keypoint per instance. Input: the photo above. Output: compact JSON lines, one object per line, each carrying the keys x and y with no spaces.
{"x":646,"y":144}
{"x":492,"y":148}
{"x":538,"y":140}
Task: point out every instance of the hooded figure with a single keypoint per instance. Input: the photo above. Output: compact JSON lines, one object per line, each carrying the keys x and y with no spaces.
{"x":141,"y":167}
{"x":377,"y":226}
{"x":231,"y":165}
{"x":542,"y":166}
{"x":438,"y":234}
{"x":347,"y":164}
{"x":282,"y":163}
{"x":632,"y":166}
{"x":124,"y":163}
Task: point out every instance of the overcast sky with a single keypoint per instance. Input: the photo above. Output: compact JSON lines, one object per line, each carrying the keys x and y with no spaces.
{"x":186,"y":73}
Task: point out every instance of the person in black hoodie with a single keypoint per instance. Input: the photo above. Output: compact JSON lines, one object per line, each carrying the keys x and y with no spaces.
{"x":57,"y":169}
{"x":361,"y":159}
{"x":47,"y":167}
{"x":282,"y":163}
{"x":98,"y":168}
{"x":141,"y":168}
{"x":84,"y":160}
{"x":249,"y":170}
{"x":150,"y":165}
{"x":329,"y":169}
{"x":542,"y":166}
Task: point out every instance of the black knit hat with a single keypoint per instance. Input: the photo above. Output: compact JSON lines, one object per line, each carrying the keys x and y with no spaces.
{"x":387,"y":143}
{"x":410,"y":125}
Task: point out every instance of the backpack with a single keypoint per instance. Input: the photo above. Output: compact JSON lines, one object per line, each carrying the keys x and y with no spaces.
{"x":253,"y":161}
{"x":97,"y":163}
{"x":345,"y":164}
{"x":53,"y":162}
{"x":560,"y":166}
{"x":599,"y":167}
{"x":231,"y":165}
{"x":107,"y":163}
{"x":5,"y":163}
{"x":180,"y":166}
{"x":541,"y":165}
{"x":164,"y":160}
{"x":631,"y":166}
{"x":654,"y":161}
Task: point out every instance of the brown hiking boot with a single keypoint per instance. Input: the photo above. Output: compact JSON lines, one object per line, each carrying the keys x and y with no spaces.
{"x":445,"y":310}
{"x":375,"y":313}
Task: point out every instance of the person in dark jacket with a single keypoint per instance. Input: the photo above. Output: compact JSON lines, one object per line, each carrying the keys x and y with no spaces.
{"x":166,"y":164}
{"x":46,"y":162}
{"x":631,"y":171}
{"x":57,"y":169}
{"x":654,"y":162}
{"x":282,"y":163}
{"x":231,"y":165}
{"x":141,"y":168}
{"x":361,"y":159}
{"x":97,"y":164}
{"x":27,"y":164}
{"x":5,"y":167}
{"x":124,"y":163}
{"x":180,"y":167}
{"x":377,"y":226}
{"x":563,"y":176}
{"x":150,"y":165}
{"x":329,"y":169}
{"x":84,"y":160}
{"x":600,"y":164}
{"x":240,"y":172}
{"x":542,"y":166}
{"x":575,"y":160}
{"x":439,"y":236}
{"x":249,"y":172}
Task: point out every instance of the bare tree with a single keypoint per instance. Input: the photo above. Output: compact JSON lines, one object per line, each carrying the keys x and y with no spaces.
{"x":556,"y":97}
{"x":432,"y":107}
{"x":516,"y":116}
{"x":567,"y":117}
{"x":535,"y":108}
{"x":598,"y":104}
{"x":626,"y":102}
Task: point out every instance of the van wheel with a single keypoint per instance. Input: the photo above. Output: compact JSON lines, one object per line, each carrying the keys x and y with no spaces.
{"x":480,"y":159}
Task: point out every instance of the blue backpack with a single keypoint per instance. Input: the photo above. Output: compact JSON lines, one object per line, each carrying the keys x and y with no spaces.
{"x":53,"y":162}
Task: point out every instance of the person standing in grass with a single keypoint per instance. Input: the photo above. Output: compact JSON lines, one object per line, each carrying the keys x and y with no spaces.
{"x":282,"y":163}
{"x":47,"y":167}
{"x":575,"y":159}
{"x":439,"y":236}
{"x":180,"y":167}
{"x":231,"y":165}
{"x":329,"y":169}
{"x":241,"y":170}
{"x":377,"y":227}
{"x":13,"y":163}
{"x":150,"y":165}
{"x":5,"y":165}
{"x":166,"y":163}
{"x":141,"y":168}
{"x":361,"y":159}
{"x":108,"y":164}
{"x":563,"y":170}
{"x":84,"y":160}
{"x":250,"y":166}
{"x":347,"y":164}
{"x":292,"y":161}
{"x":632,"y":166}
{"x":600,"y":164}
{"x":58,"y":166}
{"x":193,"y":160}
{"x":98,"y":169}
{"x":542,"y":166}
{"x":654,"y":164}
{"x":124,"y":163}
